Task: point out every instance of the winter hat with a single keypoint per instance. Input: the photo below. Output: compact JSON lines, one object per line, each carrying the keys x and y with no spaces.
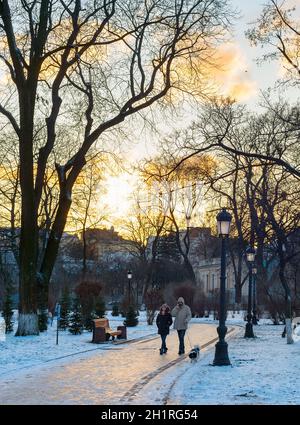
{"x":166,"y":307}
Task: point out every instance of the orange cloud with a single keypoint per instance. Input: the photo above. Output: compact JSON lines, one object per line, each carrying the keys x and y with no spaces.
{"x":223,"y":71}
{"x":230,"y":73}
{"x":242,"y":90}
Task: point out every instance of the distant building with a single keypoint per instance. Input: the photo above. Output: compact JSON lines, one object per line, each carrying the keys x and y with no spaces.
{"x":103,"y":242}
{"x":208,"y":278}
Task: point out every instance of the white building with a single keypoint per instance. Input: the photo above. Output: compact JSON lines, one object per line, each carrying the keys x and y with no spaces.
{"x":208,"y":277}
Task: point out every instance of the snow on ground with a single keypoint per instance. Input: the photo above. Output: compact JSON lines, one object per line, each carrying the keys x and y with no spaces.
{"x":23,"y":352}
{"x":264,"y":370}
{"x":19,"y":352}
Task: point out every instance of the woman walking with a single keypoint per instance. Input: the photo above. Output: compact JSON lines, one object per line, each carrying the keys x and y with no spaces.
{"x":164,"y":321}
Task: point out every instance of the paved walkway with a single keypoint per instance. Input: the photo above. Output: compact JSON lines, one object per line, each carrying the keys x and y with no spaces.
{"x":112,"y":376}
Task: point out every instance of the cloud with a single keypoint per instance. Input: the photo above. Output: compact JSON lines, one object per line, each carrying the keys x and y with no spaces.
{"x":231,"y":73}
{"x":221,"y":71}
{"x":242,"y":90}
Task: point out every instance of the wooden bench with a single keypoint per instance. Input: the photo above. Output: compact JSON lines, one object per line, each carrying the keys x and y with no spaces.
{"x":102,"y":331}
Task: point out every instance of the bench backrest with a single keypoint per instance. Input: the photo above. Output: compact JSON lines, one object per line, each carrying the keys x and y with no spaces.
{"x":101,"y":323}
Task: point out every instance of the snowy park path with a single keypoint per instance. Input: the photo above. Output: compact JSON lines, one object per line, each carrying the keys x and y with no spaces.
{"x":264,"y":371}
{"x":111,"y":376}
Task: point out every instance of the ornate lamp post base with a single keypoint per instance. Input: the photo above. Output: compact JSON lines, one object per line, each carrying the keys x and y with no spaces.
{"x":249,"y":331}
{"x":221,"y":354}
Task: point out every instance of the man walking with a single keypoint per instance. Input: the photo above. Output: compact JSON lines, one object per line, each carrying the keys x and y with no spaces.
{"x":183,"y":315}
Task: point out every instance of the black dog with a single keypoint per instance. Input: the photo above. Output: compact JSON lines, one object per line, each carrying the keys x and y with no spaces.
{"x":194,"y":354}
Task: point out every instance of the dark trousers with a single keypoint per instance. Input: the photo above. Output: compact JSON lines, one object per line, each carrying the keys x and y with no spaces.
{"x":181,"y":333}
{"x":163,"y":341}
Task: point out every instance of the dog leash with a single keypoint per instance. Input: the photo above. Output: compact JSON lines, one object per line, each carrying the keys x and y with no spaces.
{"x":187,"y":333}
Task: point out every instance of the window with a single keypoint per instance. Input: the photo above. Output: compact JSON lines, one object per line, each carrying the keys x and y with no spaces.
{"x":207,"y":283}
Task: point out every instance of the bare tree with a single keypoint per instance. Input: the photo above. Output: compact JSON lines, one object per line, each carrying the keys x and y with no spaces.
{"x":261,"y":195}
{"x":138,"y":228}
{"x":84,"y":213}
{"x":114,"y":57}
{"x":179,"y":192}
{"x":10,"y":191}
{"x":215,"y":128}
{"x":278,"y":29}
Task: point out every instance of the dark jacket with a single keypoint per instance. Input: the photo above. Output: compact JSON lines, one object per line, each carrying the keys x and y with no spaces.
{"x":164,"y":321}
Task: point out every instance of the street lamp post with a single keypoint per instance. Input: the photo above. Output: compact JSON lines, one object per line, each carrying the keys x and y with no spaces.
{"x":137,"y":295}
{"x":221,"y":351}
{"x":129,"y":276}
{"x":254,"y":318}
{"x":250,"y":254}
{"x":57,"y":310}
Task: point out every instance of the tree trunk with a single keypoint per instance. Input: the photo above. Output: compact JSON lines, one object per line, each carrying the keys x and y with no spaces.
{"x":289,"y":331}
{"x":187,"y":264}
{"x":84,"y":250}
{"x":288,"y":303}
{"x":27,"y":276}
{"x":189,"y":268}
{"x":238,"y":278}
{"x":28,"y":323}
{"x":54,"y":241}
{"x":238,"y":293}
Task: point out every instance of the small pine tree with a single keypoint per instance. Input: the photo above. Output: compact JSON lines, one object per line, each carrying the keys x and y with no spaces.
{"x":65,"y":307}
{"x":124,"y":306}
{"x":88,"y":321}
{"x":76,"y":319}
{"x":7,"y":313}
{"x":131,"y":317}
{"x":100,"y":309}
{"x":115,"y":310}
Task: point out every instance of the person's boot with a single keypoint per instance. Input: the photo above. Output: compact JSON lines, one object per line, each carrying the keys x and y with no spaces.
{"x":181,"y":351}
{"x":161,"y":351}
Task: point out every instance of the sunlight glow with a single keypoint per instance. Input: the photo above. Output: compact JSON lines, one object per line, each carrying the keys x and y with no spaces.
{"x":118,"y":197}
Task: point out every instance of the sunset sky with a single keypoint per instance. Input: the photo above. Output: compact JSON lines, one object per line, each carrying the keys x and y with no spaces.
{"x":242,"y":79}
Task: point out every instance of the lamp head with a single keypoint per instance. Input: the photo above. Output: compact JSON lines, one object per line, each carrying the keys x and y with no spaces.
{"x":250,"y":254}
{"x":223,"y":223}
